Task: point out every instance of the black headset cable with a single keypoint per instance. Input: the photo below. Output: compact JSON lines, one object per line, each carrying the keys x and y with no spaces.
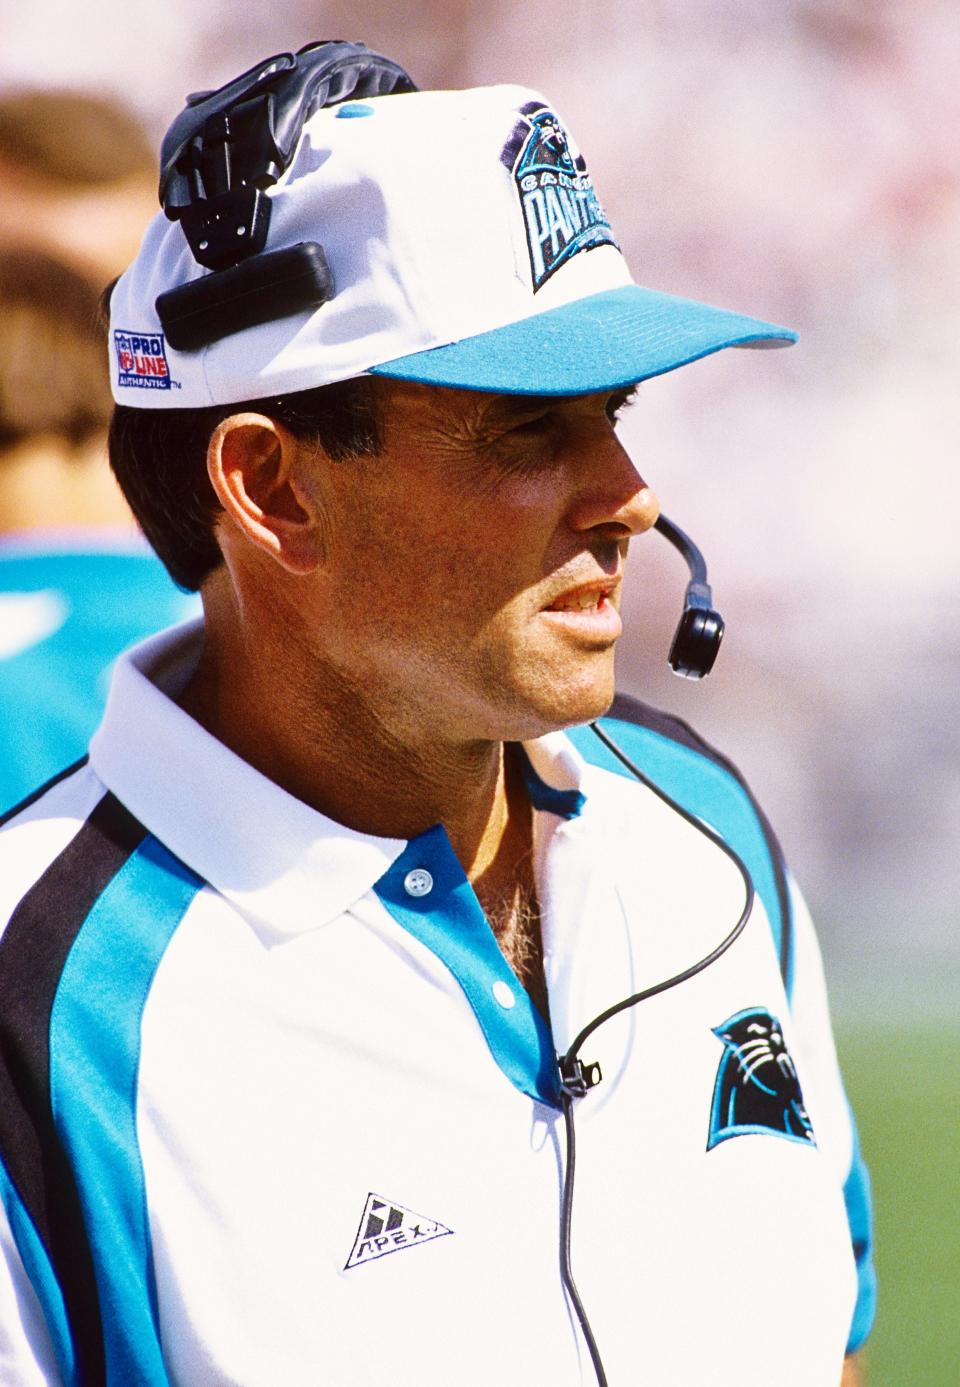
{"x":577,"y":1078}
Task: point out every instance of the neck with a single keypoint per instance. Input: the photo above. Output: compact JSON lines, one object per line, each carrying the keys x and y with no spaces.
{"x":333,"y":747}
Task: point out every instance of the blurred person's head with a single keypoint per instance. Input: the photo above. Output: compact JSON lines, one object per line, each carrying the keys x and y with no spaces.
{"x":54,"y":398}
{"x":77,"y":177}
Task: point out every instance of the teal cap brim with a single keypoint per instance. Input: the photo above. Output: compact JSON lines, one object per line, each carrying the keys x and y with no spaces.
{"x":603,"y":342}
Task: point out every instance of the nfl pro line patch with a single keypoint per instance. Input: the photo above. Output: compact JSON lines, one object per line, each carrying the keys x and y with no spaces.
{"x":141,"y":359}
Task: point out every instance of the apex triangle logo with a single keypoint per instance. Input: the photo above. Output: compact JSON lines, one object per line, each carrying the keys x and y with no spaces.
{"x":390,"y":1227}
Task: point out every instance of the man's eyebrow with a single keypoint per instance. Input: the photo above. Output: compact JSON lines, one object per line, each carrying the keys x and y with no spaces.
{"x":510,"y":405}
{"x":517,"y":406}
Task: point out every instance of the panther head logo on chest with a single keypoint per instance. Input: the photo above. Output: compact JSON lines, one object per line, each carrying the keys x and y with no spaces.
{"x":756,"y":1089}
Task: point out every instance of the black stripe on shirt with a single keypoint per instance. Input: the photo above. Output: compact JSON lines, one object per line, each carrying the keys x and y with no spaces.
{"x":33,"y":951}
{"x":36,"y":794}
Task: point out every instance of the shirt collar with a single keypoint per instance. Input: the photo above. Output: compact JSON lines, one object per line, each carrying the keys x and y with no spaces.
{"x":281,"y":863}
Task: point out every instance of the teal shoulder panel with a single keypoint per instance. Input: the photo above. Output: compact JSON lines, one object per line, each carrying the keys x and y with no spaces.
{"x":94,"y":1065}
{"x":706,"y":785}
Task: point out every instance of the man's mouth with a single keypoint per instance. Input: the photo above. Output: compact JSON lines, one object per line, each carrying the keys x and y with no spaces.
{"x":590,"y":597}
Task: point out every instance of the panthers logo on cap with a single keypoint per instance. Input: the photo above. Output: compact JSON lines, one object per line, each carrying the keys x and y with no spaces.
{"x":757,"y":1089}
{"x":562,"y":213}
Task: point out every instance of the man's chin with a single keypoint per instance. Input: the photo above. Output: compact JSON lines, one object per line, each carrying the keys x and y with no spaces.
{"x":552,"y":707}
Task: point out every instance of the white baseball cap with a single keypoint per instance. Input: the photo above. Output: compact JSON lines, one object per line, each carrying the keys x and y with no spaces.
{"x":467,"y":247}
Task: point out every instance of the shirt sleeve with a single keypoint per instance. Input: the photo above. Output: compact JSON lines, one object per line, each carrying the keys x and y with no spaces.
{"x":810,"y":1011}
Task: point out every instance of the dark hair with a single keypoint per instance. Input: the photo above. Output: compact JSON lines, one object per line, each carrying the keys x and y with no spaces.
{"x":51,"y":352}
{"x":159,"y":458}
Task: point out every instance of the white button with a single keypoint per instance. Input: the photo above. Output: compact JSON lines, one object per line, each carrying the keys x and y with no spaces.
{"x":419,"y":882}
{"x":504,"y":994}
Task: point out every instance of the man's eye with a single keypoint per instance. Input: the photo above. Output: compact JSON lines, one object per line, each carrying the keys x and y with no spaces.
{"x":532,"y":426}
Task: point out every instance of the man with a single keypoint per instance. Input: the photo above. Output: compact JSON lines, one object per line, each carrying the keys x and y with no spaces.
{"x":346,"y":870}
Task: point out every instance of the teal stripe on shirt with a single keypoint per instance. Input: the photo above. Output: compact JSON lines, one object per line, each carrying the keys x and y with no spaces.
{"x":856,"y":1197}
{"x":94,"y":1064}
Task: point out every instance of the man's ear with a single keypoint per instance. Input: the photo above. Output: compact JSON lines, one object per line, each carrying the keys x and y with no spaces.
{"x":258,"y":470}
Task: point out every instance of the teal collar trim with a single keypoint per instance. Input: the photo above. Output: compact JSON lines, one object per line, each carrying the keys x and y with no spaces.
{"x":447,"y":918}
{"x":568,"y":804}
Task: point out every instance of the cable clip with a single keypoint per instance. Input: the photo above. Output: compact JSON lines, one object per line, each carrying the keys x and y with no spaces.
{"x":577,"y":1078}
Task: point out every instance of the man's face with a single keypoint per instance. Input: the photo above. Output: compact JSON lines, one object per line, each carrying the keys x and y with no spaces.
{"x":471,"y":578}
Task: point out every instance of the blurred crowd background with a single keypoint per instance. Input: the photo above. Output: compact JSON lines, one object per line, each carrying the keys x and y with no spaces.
{"x":799,"y":162}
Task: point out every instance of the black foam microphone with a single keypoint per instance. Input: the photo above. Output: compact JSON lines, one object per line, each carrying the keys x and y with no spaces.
{"x":220,"y":157}
{"x":700,"y":629}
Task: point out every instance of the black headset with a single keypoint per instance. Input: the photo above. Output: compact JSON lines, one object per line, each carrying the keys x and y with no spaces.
{"x":696,"y":641}
{"x":219,"y":157}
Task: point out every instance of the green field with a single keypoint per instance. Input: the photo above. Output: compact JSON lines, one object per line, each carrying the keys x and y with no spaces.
{"x":905,"y":1086}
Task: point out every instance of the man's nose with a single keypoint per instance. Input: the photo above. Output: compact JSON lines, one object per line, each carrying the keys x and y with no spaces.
{"x":613,"y":495}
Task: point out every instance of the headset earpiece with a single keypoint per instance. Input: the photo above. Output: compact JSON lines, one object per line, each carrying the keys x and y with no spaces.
{"x":696,"y":642}
{"x":700,"y":629}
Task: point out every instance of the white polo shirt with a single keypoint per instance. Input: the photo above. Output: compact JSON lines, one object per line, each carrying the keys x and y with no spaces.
{"x":276,"y":1112}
